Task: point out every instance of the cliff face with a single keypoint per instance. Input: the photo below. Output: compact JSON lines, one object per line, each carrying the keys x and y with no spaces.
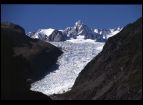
{"x":116,"y":73}
{"x":23,"y":60}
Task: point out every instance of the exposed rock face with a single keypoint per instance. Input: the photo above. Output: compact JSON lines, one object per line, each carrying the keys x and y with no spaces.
{"x":116,"y":73}
{"x":57,"y":36}
{"x":47,"y":35}
{"x":23,"y":58}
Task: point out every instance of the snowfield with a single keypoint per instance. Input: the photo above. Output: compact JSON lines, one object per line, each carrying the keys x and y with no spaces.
{"x":71,"y":62}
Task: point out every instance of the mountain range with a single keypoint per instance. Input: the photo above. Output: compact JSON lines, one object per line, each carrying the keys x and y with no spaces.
{"x":79,"y":31}
{"x":93,"y":71}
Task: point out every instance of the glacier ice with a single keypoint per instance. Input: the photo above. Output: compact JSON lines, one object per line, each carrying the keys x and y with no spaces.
{"x":71,"y":62}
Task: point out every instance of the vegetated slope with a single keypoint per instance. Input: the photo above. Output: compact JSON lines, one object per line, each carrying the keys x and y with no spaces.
{"x":116,"y":73}
{"x":23,"y":60}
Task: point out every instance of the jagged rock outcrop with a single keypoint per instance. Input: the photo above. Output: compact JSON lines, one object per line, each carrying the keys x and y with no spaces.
{"x":23,"y":59}
{"x":116,"y":73}
{"x":79,"y":29}
{"x":57,"y":36}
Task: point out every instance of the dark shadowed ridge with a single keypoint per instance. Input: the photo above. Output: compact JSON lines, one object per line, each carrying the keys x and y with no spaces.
{"x":116,"y":73}
{"x":23,"y":60}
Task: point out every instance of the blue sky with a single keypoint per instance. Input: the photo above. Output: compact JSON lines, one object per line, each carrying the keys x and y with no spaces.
{"x":35,"y":16}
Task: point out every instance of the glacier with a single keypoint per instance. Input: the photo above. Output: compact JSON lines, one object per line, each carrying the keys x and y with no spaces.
{"x":71,"y":62}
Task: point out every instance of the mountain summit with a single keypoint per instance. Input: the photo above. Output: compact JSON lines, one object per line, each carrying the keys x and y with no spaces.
{"x":79,"y":31}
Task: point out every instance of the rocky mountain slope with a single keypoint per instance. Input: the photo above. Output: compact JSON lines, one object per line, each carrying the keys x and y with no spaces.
{"x":115,"y":73}
{"x":23,"y":60}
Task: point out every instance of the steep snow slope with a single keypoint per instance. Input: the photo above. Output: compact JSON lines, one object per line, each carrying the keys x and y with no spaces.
{"x":46,"y":32}
{"x":73,"y":60}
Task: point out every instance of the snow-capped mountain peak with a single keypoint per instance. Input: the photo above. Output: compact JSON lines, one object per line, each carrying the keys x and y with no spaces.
{"x":106,"y":33}
{"x":78,"y":23}
{"x":78,"y":31}
{"x":41,"y":33}
{"x":46,"y":32}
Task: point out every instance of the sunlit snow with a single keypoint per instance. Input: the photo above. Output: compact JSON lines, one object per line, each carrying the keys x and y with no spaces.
{"x":46,"y":32}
